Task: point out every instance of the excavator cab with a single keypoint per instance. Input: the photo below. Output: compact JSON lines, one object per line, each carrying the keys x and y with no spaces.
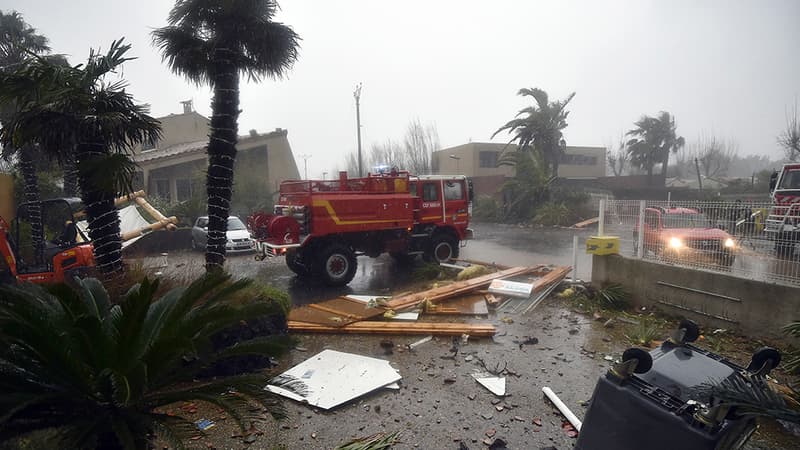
{"x":64,"y":252}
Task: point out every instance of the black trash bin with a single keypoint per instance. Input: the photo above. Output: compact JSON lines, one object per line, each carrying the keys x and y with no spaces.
{"x":660,"y":400}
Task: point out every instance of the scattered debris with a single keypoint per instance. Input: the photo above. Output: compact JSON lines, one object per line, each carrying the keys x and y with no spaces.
{"x":378,"y":441}
{"x":205,"y":424}
{"x":387,"y":346}
{"x":332,"y":378}
{"x":498,"y":444}
{"x":416,"y":344}
{"x":472,"y":272}
{"x":537,"y":421}
{"x":496,"y":385}
{"x":491,"y":432}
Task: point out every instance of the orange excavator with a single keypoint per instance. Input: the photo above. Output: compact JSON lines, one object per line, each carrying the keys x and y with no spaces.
{"x":66,"y":251}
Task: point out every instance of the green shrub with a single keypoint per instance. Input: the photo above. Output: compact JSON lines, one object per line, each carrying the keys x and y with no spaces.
{"x":552,"y":213}
{"x":613,"y":296}
{"x":89,"y":372}
{"x":487,"y":207}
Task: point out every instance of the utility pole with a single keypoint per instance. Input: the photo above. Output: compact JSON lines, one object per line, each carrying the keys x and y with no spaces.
{"x":697,"y":167}
{"x":357,"y":95}
{"x":305,"y":165}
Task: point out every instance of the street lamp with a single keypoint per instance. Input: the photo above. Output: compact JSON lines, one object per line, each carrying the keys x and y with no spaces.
{"x":458,"y":164}
{"x":305,"y":165}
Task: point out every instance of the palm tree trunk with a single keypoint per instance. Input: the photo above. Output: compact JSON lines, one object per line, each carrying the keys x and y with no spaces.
{"x":221,"y":155}
{"x":101,"y":213}
{"x":27,"y":167}
{"x":650,"y":175}
{"x":70,"y":175}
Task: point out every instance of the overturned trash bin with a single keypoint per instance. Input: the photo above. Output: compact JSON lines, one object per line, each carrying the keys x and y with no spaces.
{"x":661,"y":399}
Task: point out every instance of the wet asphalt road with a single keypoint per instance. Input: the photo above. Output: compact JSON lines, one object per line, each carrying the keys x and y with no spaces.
{"x":439,"y":405}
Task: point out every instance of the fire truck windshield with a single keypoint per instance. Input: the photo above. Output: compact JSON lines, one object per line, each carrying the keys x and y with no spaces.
{"x":790,"y":180}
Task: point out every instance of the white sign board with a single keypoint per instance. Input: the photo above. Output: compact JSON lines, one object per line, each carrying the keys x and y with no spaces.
{"x":511,"y":288}
{"x":332,"y":378}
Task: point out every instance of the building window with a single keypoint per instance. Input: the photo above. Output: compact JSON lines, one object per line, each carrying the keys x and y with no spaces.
{"x":162,"y":189}
{"x":148,"y":144}
{"x":487,"y":159}
{"x":183,"y":189}
{"x":578,"y":160}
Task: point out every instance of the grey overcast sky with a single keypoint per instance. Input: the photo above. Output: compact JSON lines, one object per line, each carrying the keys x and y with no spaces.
{"x":730,"y":68}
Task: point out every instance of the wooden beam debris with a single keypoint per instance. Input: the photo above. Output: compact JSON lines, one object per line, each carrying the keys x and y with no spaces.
{"x":377,"y":327}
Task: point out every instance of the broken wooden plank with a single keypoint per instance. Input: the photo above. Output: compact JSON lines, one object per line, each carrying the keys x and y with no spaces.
{"x":335,"y":312}
{"x":556,"y":275}
{"x":455,"y":289}
{"x":586,"y":222}
{"x":376,"y":327}
{"x":470,"y":305}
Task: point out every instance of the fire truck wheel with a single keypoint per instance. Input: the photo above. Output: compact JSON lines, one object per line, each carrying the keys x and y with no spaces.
{"x":443,"y":248}
{"x":337,"y":265}
{"x":292,"y":263}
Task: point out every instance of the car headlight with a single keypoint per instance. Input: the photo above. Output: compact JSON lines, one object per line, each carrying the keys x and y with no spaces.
{"x":675,"y":242}
{"x":729,"y":243}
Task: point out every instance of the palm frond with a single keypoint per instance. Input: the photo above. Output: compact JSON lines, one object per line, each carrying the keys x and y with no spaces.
{"x":753,"y":397}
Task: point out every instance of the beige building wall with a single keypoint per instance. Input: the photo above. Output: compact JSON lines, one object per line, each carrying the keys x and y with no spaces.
{"x":179,"y":128}
{"x":467,"y":159}
{"x":478,"y":159}
{"x":175,"y":167}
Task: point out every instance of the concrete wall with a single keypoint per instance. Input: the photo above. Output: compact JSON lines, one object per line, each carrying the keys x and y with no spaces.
{"x":715,"y":300}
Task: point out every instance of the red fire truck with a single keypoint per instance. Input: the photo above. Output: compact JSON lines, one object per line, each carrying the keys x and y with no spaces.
{"x":783,"y":221}
{"x":321,"y":226}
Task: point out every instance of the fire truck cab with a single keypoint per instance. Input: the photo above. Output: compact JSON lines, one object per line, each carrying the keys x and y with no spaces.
{"x":321,"y":226}
{"x":783,"y":221}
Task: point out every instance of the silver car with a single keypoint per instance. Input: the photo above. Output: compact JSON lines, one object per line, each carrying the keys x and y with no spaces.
{"x":239,"y":239}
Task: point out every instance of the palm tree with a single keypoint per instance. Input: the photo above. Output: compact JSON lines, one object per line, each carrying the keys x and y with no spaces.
{"x":652,"y":141}
{"x":19,"y":42}
{"x":528,"y":188}
{"x":213,"y":41}
{"x":94,"y":370}
{"x":539,"y":128}
{"x":74,"y":108}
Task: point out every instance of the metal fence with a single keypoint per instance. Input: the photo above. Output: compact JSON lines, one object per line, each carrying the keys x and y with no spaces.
{"x":731,"y":237}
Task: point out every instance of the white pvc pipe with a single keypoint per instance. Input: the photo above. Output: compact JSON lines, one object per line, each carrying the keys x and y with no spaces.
{"x":575,"y":257}
{"x":573,"y":419}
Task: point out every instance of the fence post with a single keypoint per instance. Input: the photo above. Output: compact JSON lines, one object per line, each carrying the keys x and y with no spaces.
{"x":602,"y":218}
{"x":640,"y":236}
{"x":574,"y":257}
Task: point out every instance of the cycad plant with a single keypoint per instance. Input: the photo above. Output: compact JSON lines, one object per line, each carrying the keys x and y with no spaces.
{"x":792,"y":363}
{"x":92,"y":371}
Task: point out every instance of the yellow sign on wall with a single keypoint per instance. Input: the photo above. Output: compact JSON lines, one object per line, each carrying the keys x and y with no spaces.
{"x":602,"y":245}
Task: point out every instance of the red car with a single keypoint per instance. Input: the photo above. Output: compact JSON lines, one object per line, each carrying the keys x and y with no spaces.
{"x":685,"y":233}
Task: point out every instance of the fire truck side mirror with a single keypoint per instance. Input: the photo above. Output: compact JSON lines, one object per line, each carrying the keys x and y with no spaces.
{"x":470,"y":190}
{"x":773,"y":180}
